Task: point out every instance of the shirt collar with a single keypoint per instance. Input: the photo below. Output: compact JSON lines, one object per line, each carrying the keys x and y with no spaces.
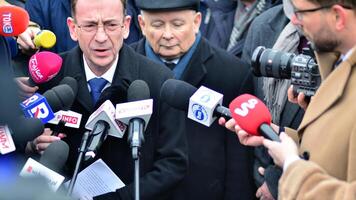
{"x":175,"y":61}
{"x":108,"y":75}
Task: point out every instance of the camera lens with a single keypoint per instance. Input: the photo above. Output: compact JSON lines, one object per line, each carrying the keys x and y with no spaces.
{"x":271,"y":63}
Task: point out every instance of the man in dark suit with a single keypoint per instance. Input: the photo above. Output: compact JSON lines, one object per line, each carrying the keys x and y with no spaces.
{"x":219,"y":167}
{"x":100,"y":28}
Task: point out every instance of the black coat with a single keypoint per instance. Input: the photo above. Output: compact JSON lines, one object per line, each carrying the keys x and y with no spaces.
{"x":163,"y":160}
{"x":219,"y":167}
{"x":270,"y":23}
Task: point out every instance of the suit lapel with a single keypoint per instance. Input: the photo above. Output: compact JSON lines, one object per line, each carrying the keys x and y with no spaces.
{"x":127,"y":69}
{"x":196,"y":70}
{"x":332,"y":87}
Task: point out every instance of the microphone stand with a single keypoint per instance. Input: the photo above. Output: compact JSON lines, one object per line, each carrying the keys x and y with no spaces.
{"x":135,"y":139}
{"x":82,"y":150}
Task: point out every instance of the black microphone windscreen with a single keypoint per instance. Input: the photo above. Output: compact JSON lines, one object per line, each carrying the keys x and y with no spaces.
{"x":71,"y":82}
{"x":55,"y":155}
{"x":29,"y":129}
{"x":177,"y":93}
{"x":115,"y":93}
{"x":60,"y":97}
{"x":138,"y":90}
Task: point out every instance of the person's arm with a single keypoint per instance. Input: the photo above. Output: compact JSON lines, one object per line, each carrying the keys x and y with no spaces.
{"x":307,"y":180}
{"x":303,"y":179}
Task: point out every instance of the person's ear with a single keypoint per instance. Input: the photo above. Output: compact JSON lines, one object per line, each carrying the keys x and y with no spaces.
{"x":72,"y":28}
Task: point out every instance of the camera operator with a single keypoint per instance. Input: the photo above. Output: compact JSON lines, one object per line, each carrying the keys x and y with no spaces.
{"x":327,"y":135}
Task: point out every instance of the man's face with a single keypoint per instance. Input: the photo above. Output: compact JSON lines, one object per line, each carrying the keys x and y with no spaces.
{"x":315,"y":26}
{"x":100,"y":27}
{"x":172,"y":33}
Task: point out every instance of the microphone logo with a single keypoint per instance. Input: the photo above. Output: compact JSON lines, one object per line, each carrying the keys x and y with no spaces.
{"x":35,"y":72}
{"x":245,"y":106}
{"x":199,"y":112}
{"x":6,"y":21}
{"x":41,"y":111}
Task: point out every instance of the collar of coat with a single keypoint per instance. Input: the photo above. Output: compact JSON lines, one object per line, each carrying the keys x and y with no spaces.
{"x":332,"y":87}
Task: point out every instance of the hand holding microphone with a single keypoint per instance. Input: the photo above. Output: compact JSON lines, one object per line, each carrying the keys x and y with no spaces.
{"x":252,"y":116}
{"x":282,"y":152}
{"x":42,"y":67}
{"x":40,"y":144}
{"x":34,"y":38}
{"x":14,"y":20}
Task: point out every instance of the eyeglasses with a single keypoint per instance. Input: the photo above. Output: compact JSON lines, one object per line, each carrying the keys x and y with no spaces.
{"x":299,"y":13}
{"x":109,"y":27}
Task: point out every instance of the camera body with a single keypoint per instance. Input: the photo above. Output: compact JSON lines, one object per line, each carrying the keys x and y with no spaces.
{"x":301,"y":69}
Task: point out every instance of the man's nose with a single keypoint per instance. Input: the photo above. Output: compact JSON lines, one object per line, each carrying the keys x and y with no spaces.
{"x":101,"y":34}
{"x":167,"y":33}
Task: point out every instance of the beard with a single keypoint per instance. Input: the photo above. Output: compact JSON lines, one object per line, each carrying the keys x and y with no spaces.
{"x":327,"y":45}
{"x":326,"y":41}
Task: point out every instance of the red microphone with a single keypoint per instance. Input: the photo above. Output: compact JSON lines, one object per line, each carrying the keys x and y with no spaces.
{"x":43,"y":66}
{"x":252,"y":115}
{"x":14,"y":20}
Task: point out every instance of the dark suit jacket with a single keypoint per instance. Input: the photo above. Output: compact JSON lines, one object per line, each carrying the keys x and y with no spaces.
{"x":270,"y":23}
{"x":163,"y":160}
{"x":219,"y":168}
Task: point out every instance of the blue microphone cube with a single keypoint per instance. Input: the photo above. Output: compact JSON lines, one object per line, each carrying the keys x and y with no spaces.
{"x":37,"y":107}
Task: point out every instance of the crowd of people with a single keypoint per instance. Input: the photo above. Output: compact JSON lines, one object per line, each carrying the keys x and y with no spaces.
{"x":106,"y":45}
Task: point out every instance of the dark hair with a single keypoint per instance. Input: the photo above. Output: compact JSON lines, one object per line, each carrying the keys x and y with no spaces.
{"x":74,"y":4}
{"x":349,"y":3}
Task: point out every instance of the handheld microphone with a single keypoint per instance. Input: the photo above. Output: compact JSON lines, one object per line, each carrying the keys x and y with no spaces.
{"x":43,"y":66}
{"x":38,"y":106}
{"x":7,"y":144}
{"x":45,"y":39}
{"x":30,"y":128}
{"x":202,"y":106}
{"x":13,"y":20}
{"x":54,"y":156}
{"x":252,"y":115}
{"x":68,"y":118}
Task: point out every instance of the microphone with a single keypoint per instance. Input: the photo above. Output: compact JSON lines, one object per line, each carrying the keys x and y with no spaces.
{"x":38,"y":106}
{"x":7,"y":144}
{"x":137,"y":112}
{"x":30,"y":128}
{"x":252,"y":115}
{"x":68,"y":118}
{"x":101,"y":123}
{"x":43,"y":66}
{"x":106,"y":113}
{"x":45,"y":39}
{"x":202,"y":105}
{"x":71,"y":82}
{"x":14,"y":20}
{"x":54,"y":156}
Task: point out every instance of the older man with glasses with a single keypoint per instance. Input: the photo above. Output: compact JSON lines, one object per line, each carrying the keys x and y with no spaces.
{"x":327,"y":133}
